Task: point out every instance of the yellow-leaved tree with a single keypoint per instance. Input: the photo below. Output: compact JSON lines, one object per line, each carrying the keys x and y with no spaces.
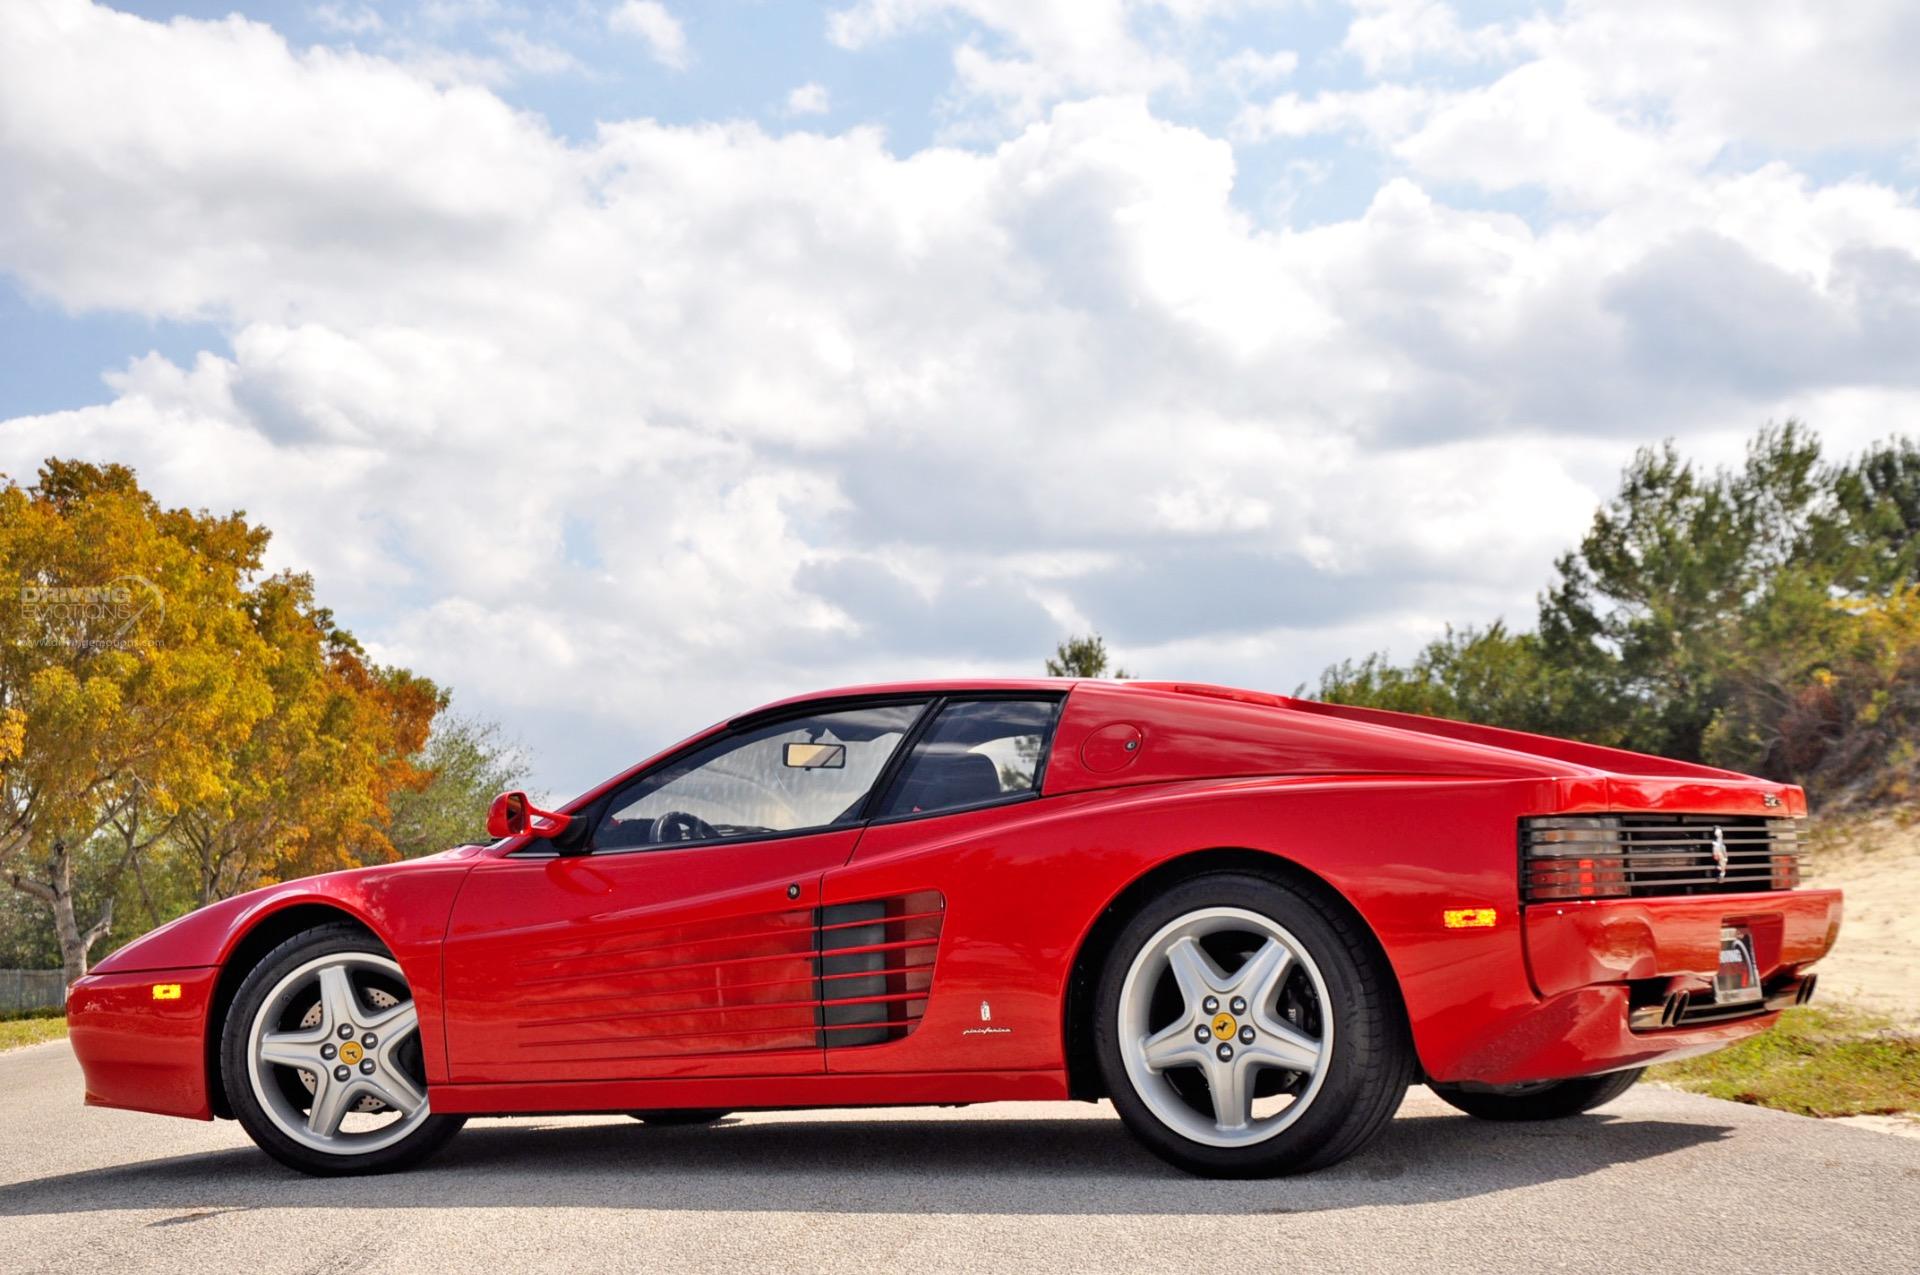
{"x":129,"y":674}
{"x":164,"y":703}
{"x":315,"y":778}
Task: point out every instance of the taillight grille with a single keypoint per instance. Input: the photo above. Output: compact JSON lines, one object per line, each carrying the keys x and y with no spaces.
{"x":1651,"y":855}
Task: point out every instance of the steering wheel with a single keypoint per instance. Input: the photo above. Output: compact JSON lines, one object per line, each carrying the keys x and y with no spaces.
{"x":678,"y":825}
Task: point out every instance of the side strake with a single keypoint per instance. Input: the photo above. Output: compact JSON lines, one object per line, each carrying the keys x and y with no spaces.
{"x":876,"y":967}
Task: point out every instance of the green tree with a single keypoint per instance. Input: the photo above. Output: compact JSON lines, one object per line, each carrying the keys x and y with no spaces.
{"x":1877,"y":503}
{"x":1765,"y":618}
{"x":1473,"y":674}
{"x":1649,"y":615}
{"x":470,"y":763}
{"x":1082,"y":657}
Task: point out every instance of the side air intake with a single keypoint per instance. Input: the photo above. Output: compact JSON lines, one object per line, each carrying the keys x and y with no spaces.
{"x":876,"y":967}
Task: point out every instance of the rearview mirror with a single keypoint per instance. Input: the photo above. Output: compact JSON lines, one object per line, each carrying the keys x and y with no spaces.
{"x":512,"y":815}
{"x":817,"y":756}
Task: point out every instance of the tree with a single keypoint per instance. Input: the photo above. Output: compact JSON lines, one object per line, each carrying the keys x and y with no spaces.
{"x":1483,"y":675}
{"x":1650,"y":614}
{"x":470,"y":764}
{"x":313,"y":782}
{"x":177,"y":726}
{"x":1082,"y":657}
{"x":1764,"y":618}
{"x":129,"y":676}
{"x":1877,"y":502}
{"x":1684,"y":579}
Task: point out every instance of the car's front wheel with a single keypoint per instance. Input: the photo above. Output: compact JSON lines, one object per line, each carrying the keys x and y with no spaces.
{"x":1545,"y":1100}
{"x":321,"y":1058}
{"x":1246,"y":1029}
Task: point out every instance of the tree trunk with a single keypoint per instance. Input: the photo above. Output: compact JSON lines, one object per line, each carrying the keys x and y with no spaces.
{"x":57,"y":893}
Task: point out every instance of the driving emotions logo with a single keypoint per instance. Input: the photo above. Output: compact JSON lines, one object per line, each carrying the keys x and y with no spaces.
{"x":89,"y":617}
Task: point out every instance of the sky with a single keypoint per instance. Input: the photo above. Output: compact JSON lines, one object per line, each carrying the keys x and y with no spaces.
{"x":622,"y":364}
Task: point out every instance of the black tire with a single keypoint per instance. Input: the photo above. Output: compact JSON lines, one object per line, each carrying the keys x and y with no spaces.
{"x":1554,"y":1100}
{"x":1372,"y":1062}
{"x":433,"y":1131}
{"x":672,"y":1119}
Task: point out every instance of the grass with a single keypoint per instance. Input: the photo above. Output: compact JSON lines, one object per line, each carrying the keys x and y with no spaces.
{"x":30,"y":1027}
{"x":1815,"y":1062}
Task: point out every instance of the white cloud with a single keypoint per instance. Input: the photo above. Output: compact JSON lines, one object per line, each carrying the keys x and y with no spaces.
{"x":1250,"y":69}
{"x":809,"y":99}
{"x":1023,"y":57}
{"x":1790,"y":73}
{"x":1383,"y":113}
{"x":535,"y":57}
{"x":622,"y":433}
{"x":354,"y":20}
{"x":1540,"y":125}
{"x":1798,"y":73}
{"x":1395,"y":35}
{"x":662,"y":32}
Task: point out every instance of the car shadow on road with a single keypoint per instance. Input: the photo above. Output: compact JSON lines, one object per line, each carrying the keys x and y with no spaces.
{"x":873,"y":1165}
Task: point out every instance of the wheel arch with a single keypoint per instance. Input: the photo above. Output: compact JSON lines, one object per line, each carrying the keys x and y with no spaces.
{"x":1083,"y":1072}
{"x":265,"y":932}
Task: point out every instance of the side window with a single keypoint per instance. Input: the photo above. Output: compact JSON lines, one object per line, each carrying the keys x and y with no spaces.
{"x":977,"y":751}
{"x":805,"y":772}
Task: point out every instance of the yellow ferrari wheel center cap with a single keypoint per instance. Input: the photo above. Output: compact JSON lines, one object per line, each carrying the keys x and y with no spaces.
{"x":351,"y":1053}
{"x":1224,"y":1027}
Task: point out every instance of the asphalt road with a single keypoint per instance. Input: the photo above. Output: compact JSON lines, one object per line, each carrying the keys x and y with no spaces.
{"x":1657,"y":1182}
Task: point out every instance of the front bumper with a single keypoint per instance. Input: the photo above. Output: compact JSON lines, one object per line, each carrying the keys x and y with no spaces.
{"x":141,"y":1039}
{"x":1598,"y":967}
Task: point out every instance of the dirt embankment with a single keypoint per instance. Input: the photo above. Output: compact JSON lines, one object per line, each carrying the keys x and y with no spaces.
{"x":1876,"y":860}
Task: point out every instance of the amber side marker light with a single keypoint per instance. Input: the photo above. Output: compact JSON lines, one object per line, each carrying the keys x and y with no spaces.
{"x":166,"y":991}
{"x":1468,"y":918}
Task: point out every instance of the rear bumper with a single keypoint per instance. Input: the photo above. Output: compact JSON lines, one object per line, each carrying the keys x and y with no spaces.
{"x":1578,"y":944}
{"x":141,"y":1046}
{"x":1584,"y":1032}
{"x":1598,"y":966}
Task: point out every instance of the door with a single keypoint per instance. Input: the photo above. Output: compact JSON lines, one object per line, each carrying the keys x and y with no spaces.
{"x":683,"y":942}
{"x":891,"y":935}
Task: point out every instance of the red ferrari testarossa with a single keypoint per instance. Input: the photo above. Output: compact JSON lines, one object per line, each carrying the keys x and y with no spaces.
{"x":1250,"y":921}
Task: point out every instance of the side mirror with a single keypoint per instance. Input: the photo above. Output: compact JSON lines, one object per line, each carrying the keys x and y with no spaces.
{"x":512,"y":815}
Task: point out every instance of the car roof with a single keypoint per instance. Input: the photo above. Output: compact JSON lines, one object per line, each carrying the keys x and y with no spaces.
{"x":1587,"y":758}
{"x":1003,"y":685}
{"x":950,"y":686}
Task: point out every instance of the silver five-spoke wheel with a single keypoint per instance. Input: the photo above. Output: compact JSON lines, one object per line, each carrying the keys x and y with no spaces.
{"x":333,"y":1055}
{"x":1222,"y":1030}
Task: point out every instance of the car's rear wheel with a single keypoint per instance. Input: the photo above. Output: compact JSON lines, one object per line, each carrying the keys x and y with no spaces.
{"x":321,"y":1058}
{"x":670,"y":1118}
{"x":1546,"y":1100}
{"x":1245,"y":1029}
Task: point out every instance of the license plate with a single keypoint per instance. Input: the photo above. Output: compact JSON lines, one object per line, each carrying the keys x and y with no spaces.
{"x":1739,"y":978}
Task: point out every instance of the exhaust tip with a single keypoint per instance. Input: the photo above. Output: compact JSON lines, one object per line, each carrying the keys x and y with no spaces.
{"x":1806,"y":989}
{"x":1674,"y":1009}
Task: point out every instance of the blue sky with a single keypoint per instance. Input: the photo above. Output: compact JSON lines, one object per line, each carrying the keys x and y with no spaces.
{"x":621,"y":363}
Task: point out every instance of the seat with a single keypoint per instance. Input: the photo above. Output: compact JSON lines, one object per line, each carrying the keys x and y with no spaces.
{"x":942,"y":780}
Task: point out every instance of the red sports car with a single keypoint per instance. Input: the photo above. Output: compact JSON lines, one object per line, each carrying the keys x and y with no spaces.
{"x":1250,"y":921}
